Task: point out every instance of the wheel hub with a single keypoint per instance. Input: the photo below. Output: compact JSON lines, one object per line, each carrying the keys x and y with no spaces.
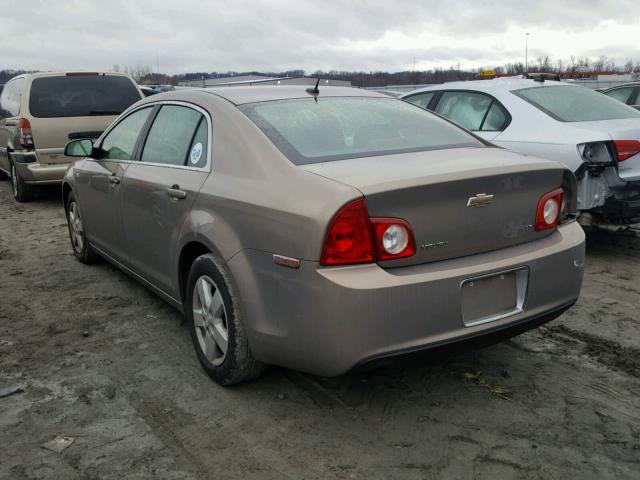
{"x":210,"y":320}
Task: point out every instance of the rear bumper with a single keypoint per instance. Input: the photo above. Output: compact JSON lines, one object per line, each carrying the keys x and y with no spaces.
{"x":325,"y":321}
{"x":33,"y":172}
{"x":489,"y":337}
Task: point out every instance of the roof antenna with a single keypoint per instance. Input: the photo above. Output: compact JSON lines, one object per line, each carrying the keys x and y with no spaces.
{"x":314,"y":91}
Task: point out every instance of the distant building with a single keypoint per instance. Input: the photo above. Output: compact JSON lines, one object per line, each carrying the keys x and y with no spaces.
{"x":243,"y":80}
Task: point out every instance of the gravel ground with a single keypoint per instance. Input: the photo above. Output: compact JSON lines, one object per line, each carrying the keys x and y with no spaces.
{"x":104,"y":362}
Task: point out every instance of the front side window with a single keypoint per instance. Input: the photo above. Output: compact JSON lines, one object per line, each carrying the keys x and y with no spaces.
{"x":467,"y":109}
{"x":81,"y":95}
{"x":171,"y":137}
{"x":620,"y":94}
{"x":11,"y":97}
{"x":575,"y":104}
{"x":338,"y":128}
{"x":120,"y":142}
{"x":420,"y":99}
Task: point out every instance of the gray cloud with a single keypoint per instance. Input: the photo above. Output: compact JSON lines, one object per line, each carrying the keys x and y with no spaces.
{"x":192,"y":35}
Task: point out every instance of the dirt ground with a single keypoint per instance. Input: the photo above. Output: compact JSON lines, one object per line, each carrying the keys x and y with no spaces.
{"x":106,"y":363}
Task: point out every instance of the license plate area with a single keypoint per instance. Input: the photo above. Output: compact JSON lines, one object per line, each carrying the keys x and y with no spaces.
{"x":493,"y":297}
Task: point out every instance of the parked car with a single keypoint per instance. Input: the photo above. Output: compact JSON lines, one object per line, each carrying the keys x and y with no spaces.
{"x":596,"y":137}
{"x":148,"y":91}
{"x":628,"y":93}
{"x":321,"y":231}
{"x":40,"y":113}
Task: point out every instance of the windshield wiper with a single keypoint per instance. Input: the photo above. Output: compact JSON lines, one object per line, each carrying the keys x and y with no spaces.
{"x":104,"y":112}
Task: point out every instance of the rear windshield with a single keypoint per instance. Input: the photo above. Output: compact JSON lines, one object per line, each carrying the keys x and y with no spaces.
{"x":575,"y":104}
{"x":338,"y":128}
{"x":81,"y":96}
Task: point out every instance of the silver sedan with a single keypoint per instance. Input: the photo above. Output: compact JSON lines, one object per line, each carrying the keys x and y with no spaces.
{"x":322,"y":230}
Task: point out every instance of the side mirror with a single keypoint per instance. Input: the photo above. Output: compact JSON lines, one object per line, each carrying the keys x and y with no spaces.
{"x":79,"y":148}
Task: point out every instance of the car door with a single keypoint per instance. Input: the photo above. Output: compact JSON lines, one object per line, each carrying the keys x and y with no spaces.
{"x":160,"y":187}
{"x":98,"y":184}
{"x":475,"y":111}
{"x":10,"y":101}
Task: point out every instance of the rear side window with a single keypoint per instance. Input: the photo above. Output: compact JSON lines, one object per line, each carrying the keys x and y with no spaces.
{"x":11,"y":97}
{"x":467,"y":109}
{"x":620,"y":94}
{"x":420,"y":99}
{"x":198,"y":150}
{"x":575,"y":104}
{"x":120,"y":142}
{"x":338,"y":128}
{"x":171,"y":137}
{"x":81,"y":96}
{"x":496,"y":119}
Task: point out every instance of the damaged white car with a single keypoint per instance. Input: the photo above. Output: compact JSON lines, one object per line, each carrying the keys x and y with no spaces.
{"x":597,"y":137}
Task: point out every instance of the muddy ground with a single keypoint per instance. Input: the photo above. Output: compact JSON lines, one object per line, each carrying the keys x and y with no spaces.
{"x":109,"y":365}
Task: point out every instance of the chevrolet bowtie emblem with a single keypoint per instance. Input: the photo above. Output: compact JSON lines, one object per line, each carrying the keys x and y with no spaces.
{"x":480,"y":200}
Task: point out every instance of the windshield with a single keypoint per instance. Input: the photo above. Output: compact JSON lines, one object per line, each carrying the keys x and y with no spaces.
{"x":338,"y":128}
{"x":81,"y":96}
{"x":575,"y":104}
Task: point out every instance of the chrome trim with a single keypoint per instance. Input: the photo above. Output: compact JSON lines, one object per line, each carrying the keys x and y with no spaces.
{"x":480,"y":200}
{"x":206,"y":168}
{"x":522,"y":283}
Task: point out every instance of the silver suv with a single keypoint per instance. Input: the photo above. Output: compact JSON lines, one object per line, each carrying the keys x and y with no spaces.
{"x":40,"y":113}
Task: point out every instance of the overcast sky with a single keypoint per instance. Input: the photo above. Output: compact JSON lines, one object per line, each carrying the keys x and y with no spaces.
{"x":276,"y":35}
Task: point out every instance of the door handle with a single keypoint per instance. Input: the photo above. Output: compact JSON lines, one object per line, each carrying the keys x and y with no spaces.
{"x":175,"y":192}
{"x":114,"y":180}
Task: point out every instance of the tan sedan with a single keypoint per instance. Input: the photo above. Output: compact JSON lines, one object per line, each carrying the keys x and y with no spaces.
{"x":322,"y":230}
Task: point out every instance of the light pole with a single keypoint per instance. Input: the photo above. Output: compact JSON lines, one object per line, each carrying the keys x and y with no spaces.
{"x":526,"y":53}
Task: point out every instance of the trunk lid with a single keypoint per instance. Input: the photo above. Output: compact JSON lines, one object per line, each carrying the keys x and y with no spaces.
{"x":432,"y":191}
{"x":622,"y":129}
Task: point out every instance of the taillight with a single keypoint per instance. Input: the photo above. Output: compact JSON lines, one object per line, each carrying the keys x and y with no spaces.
{"x":353,"y":237}
{"x":548,"y":211}
{"x":626,"y":149}
{"x":25,"y":137}
{"x":349,"y":239}
{"x":393,"y":237}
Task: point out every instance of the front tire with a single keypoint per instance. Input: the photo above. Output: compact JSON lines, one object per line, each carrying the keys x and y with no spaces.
{"x":21,"y":191}
{"x":215,"y":324}
{"x":77,"y":234}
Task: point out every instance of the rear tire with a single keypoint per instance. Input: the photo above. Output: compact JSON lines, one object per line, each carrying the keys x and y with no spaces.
{"x":21,"y":191}
{"x":77,"y":234}
{"x":215,"y":324}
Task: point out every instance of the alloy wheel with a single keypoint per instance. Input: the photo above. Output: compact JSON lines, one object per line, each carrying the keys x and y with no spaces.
{"x":77,"y":230}
{"x":210,"y":320}
{"x":14,"y":181}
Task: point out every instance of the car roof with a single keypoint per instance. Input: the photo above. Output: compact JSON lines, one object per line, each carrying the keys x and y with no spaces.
{"x":492,"y":86}
{"x":251,"y":94}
